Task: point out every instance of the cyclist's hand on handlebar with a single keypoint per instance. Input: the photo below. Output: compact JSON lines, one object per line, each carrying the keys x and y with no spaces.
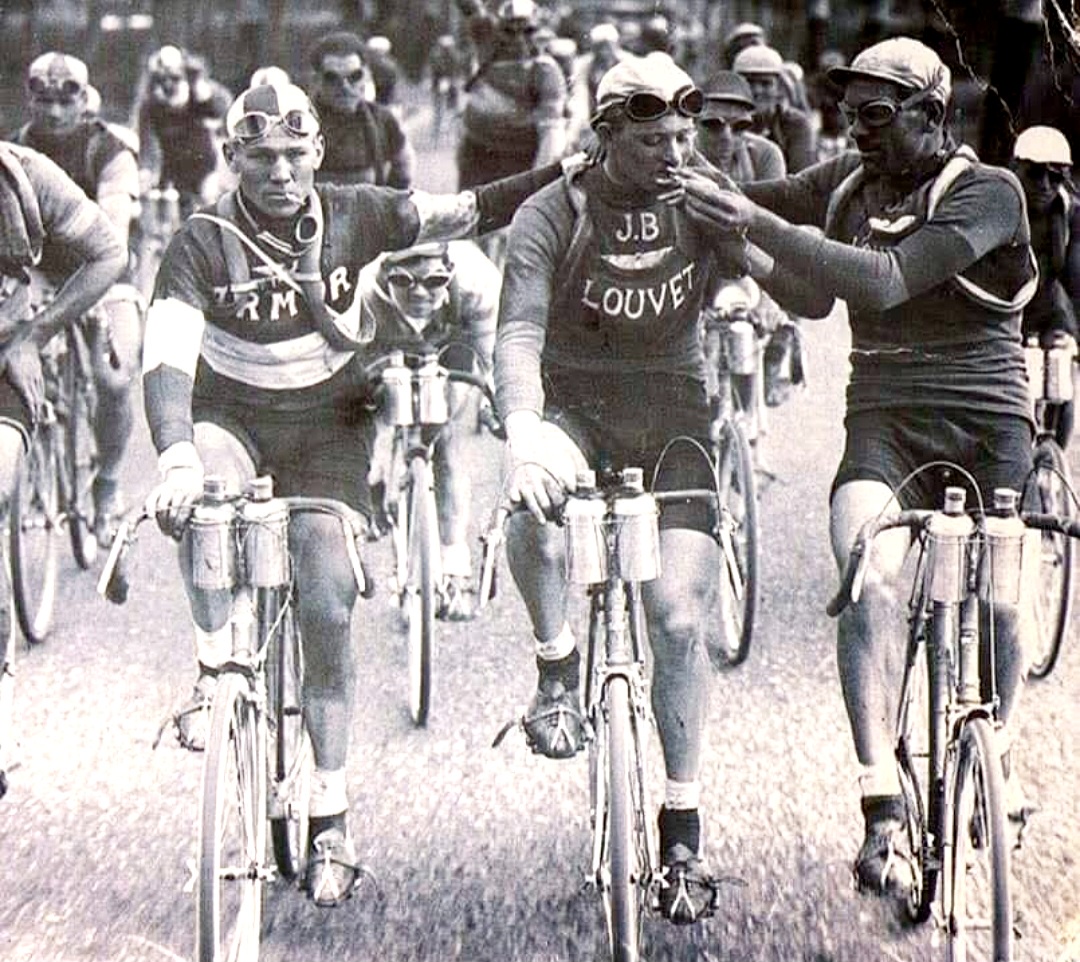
{"x":181,"y":486}
{"x":22,"y":363}
{"x":538,"y":488}
{"x":542,"y":469}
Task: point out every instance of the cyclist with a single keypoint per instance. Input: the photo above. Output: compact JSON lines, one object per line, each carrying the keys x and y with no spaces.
{"x":604,"y":52}
{"x":246,"y":358}
{"x":442,"y":297}
{"x":43,"y":213}
{"x":598,"y":363}
{"x":787,"y":126}
{"x":1042,"y":161}
{"x":934,"y":293}
{"x":178,"y":115}
{"x":105,"y":167}
{"x":365,"y":142}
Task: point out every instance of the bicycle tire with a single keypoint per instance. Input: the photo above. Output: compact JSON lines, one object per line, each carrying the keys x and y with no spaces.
{"x":915,"y":770}
{"x":1049,"y":492}
{"x":34,"y":529}
{"x":80,"y":453}
{"x":622,"y":886}
{"x":7,"y":680}
{"x":290,"y":754}
{"x":423,"y":545}
{"x":738,"y":584}
{"x":978,"y":918}
{"x":232,"y":828}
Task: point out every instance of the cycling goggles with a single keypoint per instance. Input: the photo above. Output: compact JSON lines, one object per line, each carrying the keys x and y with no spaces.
{"x":256,"y":124}
{"x":331,"y":78}
{"x":716,"y":124}
{"x":405,"y":281}
{"x":1034,"y":171}
{"x":64,"y":92}
{"x":881,"y":113}
{"x":642,"y":107}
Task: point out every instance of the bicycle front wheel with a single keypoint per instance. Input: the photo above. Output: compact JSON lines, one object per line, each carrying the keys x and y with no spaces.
{"x":978,"y":910}
{"x":738,"y":589}
{"x":232,"y":828}
{"x":7,"y":682}
{"x":35,"y":516}
{"x":1049,"y":492}
{"x":420,"y":587}
{"x":79,"y":412}
{"x":623,"y":863}
{"x":290,"y":753}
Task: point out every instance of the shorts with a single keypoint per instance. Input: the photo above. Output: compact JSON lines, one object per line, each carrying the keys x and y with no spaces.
{"x":311,"y":453}
{"x":14,"y":412}
{"x":888,"y":444}
{"x":623,"y":421}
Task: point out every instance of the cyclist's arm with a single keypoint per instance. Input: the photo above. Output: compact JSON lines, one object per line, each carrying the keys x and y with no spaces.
{"x":1070,"y":277}
{"x":81,"y":230}
{"x":118,"y":192}
{"x":803,"y":198}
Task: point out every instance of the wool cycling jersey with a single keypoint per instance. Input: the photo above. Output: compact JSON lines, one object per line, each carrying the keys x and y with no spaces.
{"x":359,"y":145}
{"x":189,"y":149}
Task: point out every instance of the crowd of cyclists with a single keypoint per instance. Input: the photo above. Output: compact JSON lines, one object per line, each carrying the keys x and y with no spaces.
{"x":629,"y":179}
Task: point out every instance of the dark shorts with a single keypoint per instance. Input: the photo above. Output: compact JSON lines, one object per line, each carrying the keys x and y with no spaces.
{"x":307,"y":453}
{"x":887,"y":445}
{"x":627,"y":421}
{"x":14,"y":412}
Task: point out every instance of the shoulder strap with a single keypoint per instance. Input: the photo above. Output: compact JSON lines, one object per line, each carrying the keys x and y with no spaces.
{"x":840,"y":196}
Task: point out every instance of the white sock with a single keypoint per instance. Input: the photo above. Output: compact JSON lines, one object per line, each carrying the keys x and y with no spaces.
{"x":213,"y":648}
{"x":682,"y":796}
{"x":879,"y":780}
{"x":456,"y":560}
{"x":328,"y":795}
{"x":558,"y":647}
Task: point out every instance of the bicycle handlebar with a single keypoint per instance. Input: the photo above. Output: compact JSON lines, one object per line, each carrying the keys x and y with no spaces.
{"x":859,"y":557}
{"x":113,"y":584}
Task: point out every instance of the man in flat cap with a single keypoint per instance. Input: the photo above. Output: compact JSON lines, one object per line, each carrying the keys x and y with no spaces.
{"x":598,"y":363}
{"x":930,"y":250}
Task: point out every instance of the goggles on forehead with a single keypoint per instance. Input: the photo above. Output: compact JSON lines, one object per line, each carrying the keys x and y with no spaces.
{"x":256,"y":124}
{"x":64,"y":91}
{"x":642,"y":107}
{"x":881,"y":113}
{"x":405,"y":281}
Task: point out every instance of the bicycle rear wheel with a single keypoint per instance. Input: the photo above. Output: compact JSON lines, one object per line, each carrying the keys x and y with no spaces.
{"x":1049,"y":492}
{"x":290,"y":755}
{"x":737,"y":536}
{"x":7,"y":678}
{"x":978,"y":910}
{"x":621,"y":846}
{"x":232,"y":828}
{"x":35,"y":516}
{"x":80,"y":460}
{"x":420,"y":596}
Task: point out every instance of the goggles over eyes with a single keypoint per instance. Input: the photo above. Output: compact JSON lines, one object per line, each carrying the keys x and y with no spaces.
{"x":330,"y":77}
{"x":405,"y":281}
{"x":256,"y":124}
{"x":1055,"y":174}
{"x":642,"y":107}
{"x":63,"y":92}
{"x":881,"y":113}
{"x":738,"y":126}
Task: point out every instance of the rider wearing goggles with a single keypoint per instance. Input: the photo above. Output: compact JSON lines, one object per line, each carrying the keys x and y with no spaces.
{"x":57,"y":78}
{"x":261,"y":109}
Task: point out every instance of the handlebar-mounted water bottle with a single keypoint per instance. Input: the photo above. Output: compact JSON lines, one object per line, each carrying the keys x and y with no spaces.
{"x":213,"y":547}
{"x":949,"y":533}
{"x":397,"y":391}
{"x":265,"y":535}
{"x":1006,"y":535}
{"x":586,"y":539}
{"x":433,"y":403}
{"x":637,"y":531}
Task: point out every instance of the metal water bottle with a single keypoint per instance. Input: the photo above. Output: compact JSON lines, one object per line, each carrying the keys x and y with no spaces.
{"x":397,"y":391}
{"x":586,"y":544}
{"x":265,"y":536}
{"x":741,"y":347}
{"x":637,"y":531}
{"x":1059,"y":379}
{"x":213,"y":554}
{"x":1000,"y":572}
{"x":950,"y":533}
{"x":434,"y":403}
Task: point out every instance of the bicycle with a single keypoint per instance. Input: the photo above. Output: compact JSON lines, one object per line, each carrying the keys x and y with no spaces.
{"x":735,"y":379}
{"x":951,"y":775}
{"x":7,"y":691}
{"x":612,"y":548}
{"x":258,"y":757}
{"x":1050,"y":490}
{"x":54,"y":489}
{"x":415,"y":400}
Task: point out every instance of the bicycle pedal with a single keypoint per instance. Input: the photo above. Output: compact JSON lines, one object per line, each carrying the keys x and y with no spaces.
{"x":518,"y":722}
